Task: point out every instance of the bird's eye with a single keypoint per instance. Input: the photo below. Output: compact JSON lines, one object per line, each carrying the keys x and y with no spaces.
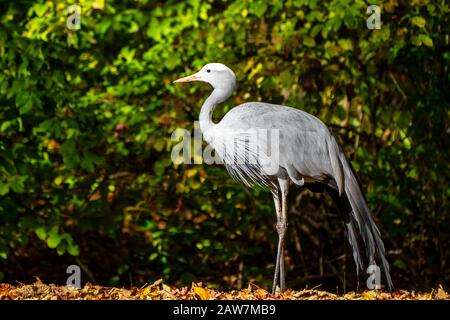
{"x":207,"y":70}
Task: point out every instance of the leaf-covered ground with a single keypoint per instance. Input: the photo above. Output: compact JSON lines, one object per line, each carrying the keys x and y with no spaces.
{"x":160,"y":291}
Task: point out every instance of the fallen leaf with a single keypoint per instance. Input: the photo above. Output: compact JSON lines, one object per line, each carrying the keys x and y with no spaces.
{"x":202,"y":293}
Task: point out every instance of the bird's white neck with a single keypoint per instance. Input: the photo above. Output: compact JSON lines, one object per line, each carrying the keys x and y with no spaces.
{"x":217,"y":96}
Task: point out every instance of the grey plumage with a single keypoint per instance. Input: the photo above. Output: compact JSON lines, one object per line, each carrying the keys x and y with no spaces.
{"x":308,"y":155}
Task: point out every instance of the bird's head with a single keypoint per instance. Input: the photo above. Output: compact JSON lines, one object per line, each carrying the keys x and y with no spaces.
{"x":218,"y":75}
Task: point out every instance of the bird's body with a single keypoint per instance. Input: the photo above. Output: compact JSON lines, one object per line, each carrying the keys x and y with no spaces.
{"x":277,"y":146}
{"x":301,"y":136}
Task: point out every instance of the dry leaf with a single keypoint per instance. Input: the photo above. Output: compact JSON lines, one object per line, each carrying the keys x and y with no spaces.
{"x":160,"y":291}
{"x":202,"y":293}
{"x":368,"y":296}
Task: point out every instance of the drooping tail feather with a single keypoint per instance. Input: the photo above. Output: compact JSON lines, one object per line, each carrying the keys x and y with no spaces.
{"x":345,"y":210}
{"x":347,"y":194}
{"x":361,"y":215}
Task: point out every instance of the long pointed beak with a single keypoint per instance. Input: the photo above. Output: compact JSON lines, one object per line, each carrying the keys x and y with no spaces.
{"x":193,"y":77}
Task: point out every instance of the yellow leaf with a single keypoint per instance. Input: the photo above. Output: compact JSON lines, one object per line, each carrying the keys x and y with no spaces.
{"x":53,"y":146}
{"x":202,"y":293}
{"x":367,"y":296}
{"x":99,"y":4}
{"x":147,"y":291}
{"x":154,"y":287}
{"x":179,"y":187}
{"x":58,"y":180}
{"x":191,"y":172}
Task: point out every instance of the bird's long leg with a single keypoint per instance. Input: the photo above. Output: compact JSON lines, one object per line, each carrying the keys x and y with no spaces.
{"x":276,"y":200}
{"x":281,"y":228}
{"x":281,"y":208}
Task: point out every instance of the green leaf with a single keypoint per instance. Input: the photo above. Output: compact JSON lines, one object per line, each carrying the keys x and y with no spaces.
{"x":172,"y":61}
{"x":309,"y":42}
{"x":399,"y":264}
{"x":70,"y":154}
{"x":88,"y":161}
{"x":345,"y":44}
{"x":5,"y":125}
{"x":24,"y":102}
{"x":73,"y":249}
{"x":258,"y":8}
{"x":426,"y":40}
{"x":61,"y":249}
{"x":153,"y":256}
{"x":154,"y":29}
{"x":134,"y":27}
{"x":40,"y":9}
{"x":41,"y":233}
{"x":416,"y":41}
{"x":27,"y":107}
{"x":4,"y":188}
{"x":419,"y":21}
{"x":53,"y":240}
{"x":17,"y":184}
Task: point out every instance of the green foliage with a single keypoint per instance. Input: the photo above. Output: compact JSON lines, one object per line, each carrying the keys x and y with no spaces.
{"x":86,"y":118}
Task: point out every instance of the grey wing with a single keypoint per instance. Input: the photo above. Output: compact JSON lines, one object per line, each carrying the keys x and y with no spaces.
{"x":306,"y":147}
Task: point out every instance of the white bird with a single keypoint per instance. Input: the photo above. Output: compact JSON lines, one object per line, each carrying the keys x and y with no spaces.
{"x":278,"y":146}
